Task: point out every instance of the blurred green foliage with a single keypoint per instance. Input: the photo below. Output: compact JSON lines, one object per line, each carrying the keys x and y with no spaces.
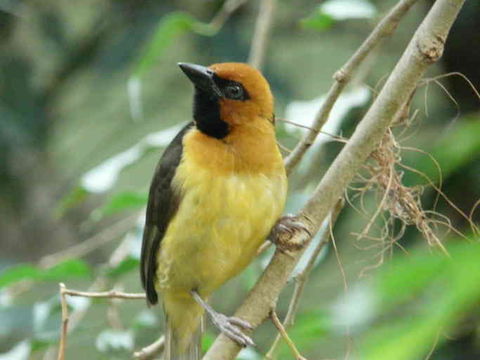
{"x":442,"y":291}
{"x":72,"y":79}
{"x":61,"y":272}
{"x":127,"y":200}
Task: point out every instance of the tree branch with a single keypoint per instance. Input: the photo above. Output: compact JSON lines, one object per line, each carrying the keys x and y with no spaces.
{"x":424,"y":49}
{"x":64,"y":330}
{"x":111,"y":294}
{"x":64,"y":292}
{"x":148,"y":352}
{"x":221,"y":17}
{"x":261,"y":35}
{"x":342,"y":77}
{"x":73,"y":319}
{"x":283,"y":333}
{"x":301,"y":279}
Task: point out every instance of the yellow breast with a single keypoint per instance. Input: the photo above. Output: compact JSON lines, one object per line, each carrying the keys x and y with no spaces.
{"x":229,"y":204}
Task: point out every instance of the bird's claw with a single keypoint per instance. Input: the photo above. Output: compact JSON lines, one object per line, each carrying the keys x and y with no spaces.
{"x":232,"y":327}
{"x":282,"y":234}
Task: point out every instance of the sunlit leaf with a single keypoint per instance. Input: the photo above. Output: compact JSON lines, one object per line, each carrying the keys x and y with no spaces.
{"x":348,"y":9}
{"x":249,"y":353}
{"x":60,"y":272}
{"x":146,"y":319}
{"x":330,"y":11}
{"x":355,"y":309}
{"x":104,"y":176}
{"x":21,"y":351}
{"x":115,"y":340}
{"x":304,"y":112}
{"x":317,"y":21}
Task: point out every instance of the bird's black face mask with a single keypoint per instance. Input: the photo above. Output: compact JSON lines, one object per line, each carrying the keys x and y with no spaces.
{"x":206,"y":103}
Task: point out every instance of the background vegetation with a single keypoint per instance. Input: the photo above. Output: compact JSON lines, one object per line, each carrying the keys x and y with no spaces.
{"x":90,"y":94}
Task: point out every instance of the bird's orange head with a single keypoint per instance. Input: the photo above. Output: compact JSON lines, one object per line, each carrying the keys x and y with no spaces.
{"x":228,"y":95}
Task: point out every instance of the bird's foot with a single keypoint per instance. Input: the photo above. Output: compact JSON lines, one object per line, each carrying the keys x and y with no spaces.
{"x":232,"y":327}
{"x":283,"y":234}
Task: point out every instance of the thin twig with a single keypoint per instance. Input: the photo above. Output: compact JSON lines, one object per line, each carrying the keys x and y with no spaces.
{"x":64,"y":292}
{"x":103,"y":237}
{"x":261,"y":35}
{"x":335,"y":137}
{"x":111,"y":294}
{"x":148,"y":352}
{"x":301,"y":279}
{"x":278,"y":324}
{"x":342,"y":77}
{"x":63,"y":334}
{"x":264,"y":247}
{"x":221,"y":17}
{"x":99,"y":284}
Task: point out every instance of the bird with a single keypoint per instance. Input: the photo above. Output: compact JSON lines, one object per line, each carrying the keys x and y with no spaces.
{"x":216,"y":194}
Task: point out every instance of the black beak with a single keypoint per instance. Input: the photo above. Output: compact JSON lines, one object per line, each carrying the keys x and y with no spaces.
{"x":202,"y":77}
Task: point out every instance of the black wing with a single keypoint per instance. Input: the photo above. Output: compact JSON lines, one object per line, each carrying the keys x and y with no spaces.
{"x":162,"y":205}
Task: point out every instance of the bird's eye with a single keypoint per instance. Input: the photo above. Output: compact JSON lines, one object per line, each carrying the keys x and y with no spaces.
{"x":234,"y":92}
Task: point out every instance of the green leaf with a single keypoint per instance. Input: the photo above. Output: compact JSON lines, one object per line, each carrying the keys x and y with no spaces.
{"x":207,"y":340}
{"x":338,"y":10}
{"x":124,"y":267}
{"x":127,"y":200}
{"x":449,"y":287}
{"x":461,"y":146}
{"x":452,"y":152}
{"x":310,"y":327}
{"x":75,"y":197}
{"x":317,"y":21}
{"x":60,"y":272}
{"x":406,"y":278}
{"x":21,"y":350}
{"x":113,"y":340}
{"x":169,"y":27}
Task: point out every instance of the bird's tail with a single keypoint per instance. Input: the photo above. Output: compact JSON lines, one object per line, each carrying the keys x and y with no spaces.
{"x":183,"y":329}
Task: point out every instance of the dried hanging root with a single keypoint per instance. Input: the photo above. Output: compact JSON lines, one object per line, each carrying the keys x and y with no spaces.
{"x":401,"y":202}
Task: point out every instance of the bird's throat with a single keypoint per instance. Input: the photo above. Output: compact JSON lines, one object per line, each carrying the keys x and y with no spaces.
{"x":206,"y":113}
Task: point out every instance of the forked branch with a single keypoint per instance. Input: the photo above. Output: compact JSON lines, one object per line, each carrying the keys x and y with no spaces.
{"x":423,"y":50}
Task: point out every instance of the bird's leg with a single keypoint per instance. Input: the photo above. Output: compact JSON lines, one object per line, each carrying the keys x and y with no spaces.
{"x":230,"y":326}
{"x":282,"y":233}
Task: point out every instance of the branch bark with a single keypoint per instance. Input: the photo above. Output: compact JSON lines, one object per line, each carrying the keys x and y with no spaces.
{"x":301,"y":279}
{"x":111,"y":294}
{"x":148,"y":352}
{"x":424,"y":49}
{"x":64,"y":292}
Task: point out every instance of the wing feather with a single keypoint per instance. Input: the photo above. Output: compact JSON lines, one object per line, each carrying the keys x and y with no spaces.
{"x":162,"y":205}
